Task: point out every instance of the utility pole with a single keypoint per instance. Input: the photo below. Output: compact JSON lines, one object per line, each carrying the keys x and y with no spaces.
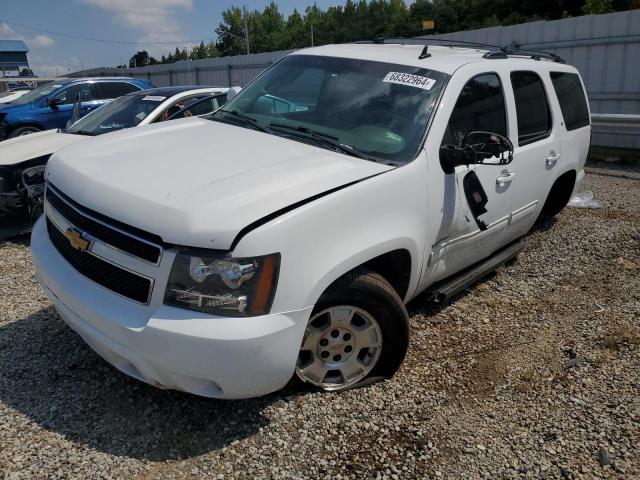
{"x":312,"y":34}
{"x":246,"y":28}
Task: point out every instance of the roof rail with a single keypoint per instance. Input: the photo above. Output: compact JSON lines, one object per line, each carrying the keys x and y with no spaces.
{"x":493,"y":51}
{"x":437,"y":41}
{"x":534,"y":54}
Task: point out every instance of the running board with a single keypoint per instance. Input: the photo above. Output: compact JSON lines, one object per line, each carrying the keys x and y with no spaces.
{"x":448,"y":287}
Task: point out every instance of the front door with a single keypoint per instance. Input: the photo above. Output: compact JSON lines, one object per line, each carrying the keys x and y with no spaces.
{"x":470,"y":235}
{"x":57,"y":116}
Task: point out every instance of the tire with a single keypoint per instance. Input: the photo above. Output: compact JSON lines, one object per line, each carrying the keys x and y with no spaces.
{"x":20,"y":131}
{"x":358,"y":333}
{"x":559,"y":196}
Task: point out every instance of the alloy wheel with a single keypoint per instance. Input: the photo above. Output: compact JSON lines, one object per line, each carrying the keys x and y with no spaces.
{"x":341,"y":346}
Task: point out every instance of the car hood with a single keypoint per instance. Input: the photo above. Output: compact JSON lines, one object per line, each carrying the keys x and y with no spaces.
{"x":27,"y":147}
{"x":11,"y":108}
{"x":197,"y":182}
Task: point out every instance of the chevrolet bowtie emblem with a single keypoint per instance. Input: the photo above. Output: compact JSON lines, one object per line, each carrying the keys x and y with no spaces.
{"x":76,"y":240}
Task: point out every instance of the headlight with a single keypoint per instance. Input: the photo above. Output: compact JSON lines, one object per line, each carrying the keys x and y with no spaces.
{"x":221,"y":285}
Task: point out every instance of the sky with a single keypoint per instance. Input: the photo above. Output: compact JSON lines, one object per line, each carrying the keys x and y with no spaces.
{"x":137,"y":21}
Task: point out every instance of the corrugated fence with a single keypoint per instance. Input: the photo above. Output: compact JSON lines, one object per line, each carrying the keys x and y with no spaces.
{"x":605,"y":48}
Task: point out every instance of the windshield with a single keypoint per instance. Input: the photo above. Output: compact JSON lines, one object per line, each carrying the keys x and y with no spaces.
{"x":379,"y":110}
{"x":37,"y":93}
{"x":124,"y":112}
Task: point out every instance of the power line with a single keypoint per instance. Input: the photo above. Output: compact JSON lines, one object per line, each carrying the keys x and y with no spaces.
{"x":103,"y":40}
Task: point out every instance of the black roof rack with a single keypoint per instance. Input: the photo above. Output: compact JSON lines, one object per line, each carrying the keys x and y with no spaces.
{"x":534,"y":54}
{"x":493,"y":51}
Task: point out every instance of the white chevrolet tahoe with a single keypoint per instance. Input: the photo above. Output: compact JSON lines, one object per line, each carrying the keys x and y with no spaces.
{"x":283,"y":235}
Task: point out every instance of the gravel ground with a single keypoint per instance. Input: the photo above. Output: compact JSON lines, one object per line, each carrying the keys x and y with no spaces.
{"x":533,"y":373}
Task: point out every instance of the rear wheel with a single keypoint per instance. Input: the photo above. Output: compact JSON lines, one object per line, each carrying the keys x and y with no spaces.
{"x":358,"y":332}
{"x":20,"y":131}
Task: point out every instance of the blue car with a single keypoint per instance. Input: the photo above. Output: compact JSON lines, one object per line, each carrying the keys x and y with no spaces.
{"x":50,"y":106}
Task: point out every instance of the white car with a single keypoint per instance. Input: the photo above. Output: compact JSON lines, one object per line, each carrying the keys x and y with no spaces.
{"x":283,"y":235}
{"x":23,"y":159}
{"x":10,"y":96}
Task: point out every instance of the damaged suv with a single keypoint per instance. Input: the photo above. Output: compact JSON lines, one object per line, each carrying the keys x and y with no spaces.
{"x":282,"y":236}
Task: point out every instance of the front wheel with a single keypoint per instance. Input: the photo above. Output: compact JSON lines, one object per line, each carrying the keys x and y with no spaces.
{"x":359,"y":331}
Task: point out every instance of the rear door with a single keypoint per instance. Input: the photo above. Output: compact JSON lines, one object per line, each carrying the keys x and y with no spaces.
{"x":106,"y":91}
{"x":537,"y":147}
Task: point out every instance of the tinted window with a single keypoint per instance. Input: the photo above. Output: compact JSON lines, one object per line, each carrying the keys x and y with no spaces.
{"x":532,"y":108}
{"x":68,"y":95}
{"x":113,"y":89}
{"x":572,"y":100}
{"x":202,"y":106}
{"x":480,"y":106}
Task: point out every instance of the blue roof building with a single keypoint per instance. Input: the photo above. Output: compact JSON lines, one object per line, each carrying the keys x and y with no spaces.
{"x":13,"y":55}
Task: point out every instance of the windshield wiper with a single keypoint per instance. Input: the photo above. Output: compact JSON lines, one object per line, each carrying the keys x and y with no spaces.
{"x":247,"y":119}
{"x":327,"y":140}
{"x":81,"y":132}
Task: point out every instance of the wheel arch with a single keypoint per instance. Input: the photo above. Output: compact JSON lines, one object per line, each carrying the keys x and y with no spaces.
{"x":31,"y":123}
{"x":395,"y":265}
{"x":559,"y":193}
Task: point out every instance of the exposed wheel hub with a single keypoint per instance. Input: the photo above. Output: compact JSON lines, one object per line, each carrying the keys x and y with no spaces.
{"x":336,"y":345}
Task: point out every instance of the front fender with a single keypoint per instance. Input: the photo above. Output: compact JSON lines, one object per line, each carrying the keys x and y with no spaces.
{"x":322,"y":240}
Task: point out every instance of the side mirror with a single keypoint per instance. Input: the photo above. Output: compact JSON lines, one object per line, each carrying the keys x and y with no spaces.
{"x":477,"y":148}
{"x":490,"y":145}
{"x":55,"y":102}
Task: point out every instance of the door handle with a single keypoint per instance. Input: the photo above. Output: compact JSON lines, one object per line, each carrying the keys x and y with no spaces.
{"x":553,"y":158}
{"x":505,"y":177}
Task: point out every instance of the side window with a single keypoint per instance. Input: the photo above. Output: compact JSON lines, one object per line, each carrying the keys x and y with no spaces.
{"x":108,"y":90}
{"x":199,"y":106}
{"x":174,"y":108}
{"x":532,"y":107}
{"x":68,"y":95}
{"x":480,"y":106}
{"x":572,"y":99}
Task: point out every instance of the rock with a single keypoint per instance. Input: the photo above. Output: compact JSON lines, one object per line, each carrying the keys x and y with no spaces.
{"x":603,"y":457}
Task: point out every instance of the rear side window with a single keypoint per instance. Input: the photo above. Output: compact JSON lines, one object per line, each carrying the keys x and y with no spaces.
{"x":532,"y":107}
{"x":105,"y":90}
{"x":480,"y":106}
{"x":572,"y":100}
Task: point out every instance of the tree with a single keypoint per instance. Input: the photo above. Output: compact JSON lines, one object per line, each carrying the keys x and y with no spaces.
{"x":598,"y":6}
{"x":140,"y":59}
{"x":269,"y":30}
{"x":231,"y":32}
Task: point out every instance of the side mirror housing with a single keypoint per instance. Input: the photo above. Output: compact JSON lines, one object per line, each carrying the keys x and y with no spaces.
{"x":54,"y":102}
{"x":452,"y":156}
{"x":477,"y":148}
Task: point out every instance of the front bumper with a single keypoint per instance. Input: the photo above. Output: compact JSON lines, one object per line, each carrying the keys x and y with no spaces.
{"x":171,"y":347}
